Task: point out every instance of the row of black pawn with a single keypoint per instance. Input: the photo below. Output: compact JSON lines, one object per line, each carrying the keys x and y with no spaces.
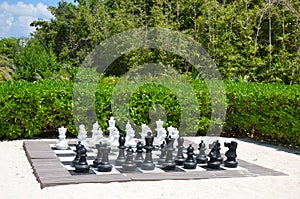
{"x":166,"y":160}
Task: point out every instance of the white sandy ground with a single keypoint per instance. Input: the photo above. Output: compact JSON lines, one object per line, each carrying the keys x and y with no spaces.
{"x":17,"y":180}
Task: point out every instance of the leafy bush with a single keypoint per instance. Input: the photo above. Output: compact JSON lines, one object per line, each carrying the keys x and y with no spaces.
{"x":260,"y":111}
{"x":28,"y":109}
{"x":263,"y":111}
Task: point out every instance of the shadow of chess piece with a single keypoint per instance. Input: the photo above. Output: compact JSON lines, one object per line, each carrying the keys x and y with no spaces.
{"x":104,"y":165}
{"x":97,"y":161}
{"x":129,"y":164}
{"x":139,"y":154}
{"x":77,"y":157}
{"x":179,"y":159}
{"x":231,"y":154}
{"x":163,"y":153}
{"x":201,"y":158}
{"x":169,"y":164}
{"x":214,"y":156}
{"x":121,"y":156}
{"x":148,"y":162}
{"x":82,"y":166}
{"x":190,"y":162}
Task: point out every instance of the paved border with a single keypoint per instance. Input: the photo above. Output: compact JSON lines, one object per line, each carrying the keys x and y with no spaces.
{"x":50,"y":172}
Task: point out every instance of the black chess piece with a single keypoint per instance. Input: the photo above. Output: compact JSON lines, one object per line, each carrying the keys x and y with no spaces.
{"x":190,"y":162}
{"x":169,"y":164}
{"x":105,"y":165}
{"x":121,"y":156}
{"x":201,"y":158}
{"x":97,"y":161}
{"x":129,"y":164}
{"x":82,"y":166}
{"x":163,"y":153}
{"x":231,"y":154}
{"x":168,"y":138}
{"x":148,"y":162}
{"x":214,"y":155}
{"x":179,"y":159}
{"x":76,"y":159}
{"x":139,"y":154}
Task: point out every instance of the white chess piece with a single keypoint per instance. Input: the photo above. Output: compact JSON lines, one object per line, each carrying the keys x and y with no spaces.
{"x":97,"y":135}
{"x":116,"y":135}
{"x":161,"y":132}
{"x":62,"y":143}
{"x":129,"y":135}
{"x":82,"y":135}
{"x":173,"y":132}
{"x":145,"y":130}
{"x":113,"y":131}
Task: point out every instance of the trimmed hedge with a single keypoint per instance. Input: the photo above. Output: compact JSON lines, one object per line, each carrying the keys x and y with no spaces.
{"x":260,"y":111}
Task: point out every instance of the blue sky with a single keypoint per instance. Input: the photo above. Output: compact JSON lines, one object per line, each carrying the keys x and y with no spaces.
{"x":16,"y":15}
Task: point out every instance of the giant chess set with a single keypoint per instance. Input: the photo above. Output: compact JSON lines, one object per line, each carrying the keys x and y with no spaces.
{"x":159,"y":155}
{"x":130,"y":155}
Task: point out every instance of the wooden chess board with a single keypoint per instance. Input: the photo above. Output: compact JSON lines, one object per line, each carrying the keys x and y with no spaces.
{"x":52,"y":167}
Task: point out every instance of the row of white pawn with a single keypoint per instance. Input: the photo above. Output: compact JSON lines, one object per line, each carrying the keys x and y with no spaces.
{"x":97,"y":134}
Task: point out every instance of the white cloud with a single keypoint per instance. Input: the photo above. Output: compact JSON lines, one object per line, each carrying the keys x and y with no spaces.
{"x":15,"y":19}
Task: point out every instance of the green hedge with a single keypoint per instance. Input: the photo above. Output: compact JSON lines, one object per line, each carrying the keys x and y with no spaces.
{"x":260,"y":111}
{"x":264,"y":111}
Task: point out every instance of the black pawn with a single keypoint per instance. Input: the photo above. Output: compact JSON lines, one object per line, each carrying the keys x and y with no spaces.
{"x":169,"y":164}
{"x":82,"y":166}
{"x":231,"y":155}
{"x":104,"y":165}
{"x":201,"y":158}
{"x":139,"y":154}
{"x":190,"y":162}
{"x":179,"y":159}
{"x":77,"y":157}
{"x":129,"y":164}
{"x":214,"y":155}
{"x":121,"y":157}
{"x":148,"y":162}
{"x":97,"y":161}
{"x":163,"y":153}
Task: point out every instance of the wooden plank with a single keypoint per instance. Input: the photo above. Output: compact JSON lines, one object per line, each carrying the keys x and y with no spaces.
{"x":259,"y":170}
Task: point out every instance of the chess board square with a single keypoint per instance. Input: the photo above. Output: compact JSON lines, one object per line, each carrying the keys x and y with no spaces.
{"x":73,"y":172}
{"x":135,"y":171}
{"x":177,"y":169}
{"x":156,"y":170}
{"x":113,"y":171}
{"x":198,"y":168}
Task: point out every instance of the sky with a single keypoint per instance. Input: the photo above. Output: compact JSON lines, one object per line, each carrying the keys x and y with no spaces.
{"x":16,"y":15}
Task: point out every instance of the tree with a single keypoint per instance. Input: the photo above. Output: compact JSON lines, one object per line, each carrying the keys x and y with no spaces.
{"x":35,"y":61}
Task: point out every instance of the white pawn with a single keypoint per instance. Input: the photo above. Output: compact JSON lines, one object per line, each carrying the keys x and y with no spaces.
{"x":129,"y":135}
{"x":62,"y":143}
{"x":97,"y":135}
{"x":82,"y":135}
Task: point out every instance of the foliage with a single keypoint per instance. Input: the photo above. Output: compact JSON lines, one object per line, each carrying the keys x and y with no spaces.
{"x":36,"y":61}
{"x":253,"y":40}
{"x":260,"y":111}
{"x":263,"y":111}
{"x":28,"y":109}
{"x":7,"y":69}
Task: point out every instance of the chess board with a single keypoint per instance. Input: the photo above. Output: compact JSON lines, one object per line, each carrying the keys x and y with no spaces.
{"x":53,"y":167}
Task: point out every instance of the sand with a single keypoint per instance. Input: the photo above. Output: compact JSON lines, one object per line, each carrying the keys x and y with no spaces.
{"x":18,"y":181}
